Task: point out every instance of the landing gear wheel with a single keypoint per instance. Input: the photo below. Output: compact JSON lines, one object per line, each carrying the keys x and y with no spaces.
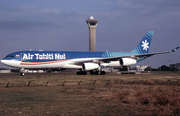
{"x":84,"y":73}
{"x":92,"y":72}
{"x":103,"y":72}
{"x":81,"y":73}
{"x":97,"y":72}
{"x":22,"y":74}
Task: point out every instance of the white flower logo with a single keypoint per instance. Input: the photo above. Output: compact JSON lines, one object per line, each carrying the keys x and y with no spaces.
{"x":145,"y":45}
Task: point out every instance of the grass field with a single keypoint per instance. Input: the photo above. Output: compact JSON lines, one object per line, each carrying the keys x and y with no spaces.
{"x":69,"y":94}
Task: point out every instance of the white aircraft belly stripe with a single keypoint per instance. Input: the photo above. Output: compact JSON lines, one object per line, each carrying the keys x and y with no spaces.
{"x":40,"y":62}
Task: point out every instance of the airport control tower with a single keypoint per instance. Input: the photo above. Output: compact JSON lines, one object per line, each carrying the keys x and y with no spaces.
{"x":92,"y":24}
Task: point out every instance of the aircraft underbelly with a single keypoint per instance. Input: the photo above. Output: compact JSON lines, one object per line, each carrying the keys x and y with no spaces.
{"x":112,"y":64}
{"x":72,"y":66}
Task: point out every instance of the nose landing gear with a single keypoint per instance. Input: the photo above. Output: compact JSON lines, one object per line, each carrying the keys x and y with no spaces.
{"x":22,"y":72}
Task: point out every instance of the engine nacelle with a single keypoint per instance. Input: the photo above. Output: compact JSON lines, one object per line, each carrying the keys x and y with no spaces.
{"x":90,"y":66}
{"x":127,"y":61}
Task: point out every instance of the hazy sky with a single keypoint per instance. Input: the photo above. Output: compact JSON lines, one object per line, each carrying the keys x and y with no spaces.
{"x":61,"y":25}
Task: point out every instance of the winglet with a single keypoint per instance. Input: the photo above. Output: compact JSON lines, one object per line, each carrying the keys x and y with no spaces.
{"x":175,"y":49}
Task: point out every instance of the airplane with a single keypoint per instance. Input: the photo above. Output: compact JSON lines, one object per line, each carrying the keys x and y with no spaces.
{"x":82,"y":60}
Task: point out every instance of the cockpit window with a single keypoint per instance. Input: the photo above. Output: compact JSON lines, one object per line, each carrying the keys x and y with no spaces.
{"x":9,"y":56}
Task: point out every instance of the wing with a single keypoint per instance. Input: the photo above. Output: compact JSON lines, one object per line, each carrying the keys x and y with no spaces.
{"x":138,"y":57}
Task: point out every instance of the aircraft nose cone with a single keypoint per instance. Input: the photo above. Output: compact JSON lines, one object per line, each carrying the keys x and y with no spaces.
{"x":3,"y":61}
{"x":11,"y":63}
{"x":6,"y":62}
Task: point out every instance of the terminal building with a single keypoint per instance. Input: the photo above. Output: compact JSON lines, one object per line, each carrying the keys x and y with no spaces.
{"x":175,"y":66}
{"x":141,"y":68}
{"x":5,"y":71}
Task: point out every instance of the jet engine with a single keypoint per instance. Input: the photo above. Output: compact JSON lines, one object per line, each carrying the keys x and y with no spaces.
{"x":127,"y":61}
{"x":90,"y":66}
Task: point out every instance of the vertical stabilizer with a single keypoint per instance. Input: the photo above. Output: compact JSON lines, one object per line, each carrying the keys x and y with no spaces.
{"x":145,"y":43}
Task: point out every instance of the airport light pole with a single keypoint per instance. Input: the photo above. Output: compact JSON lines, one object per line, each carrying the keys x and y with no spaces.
{"x":160,"y":65}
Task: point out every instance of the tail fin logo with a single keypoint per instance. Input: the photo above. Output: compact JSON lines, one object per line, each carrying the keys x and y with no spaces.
{"x":145,"y":45}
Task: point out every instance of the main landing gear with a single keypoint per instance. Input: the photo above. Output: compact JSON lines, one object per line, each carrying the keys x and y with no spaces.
{"x":81,"y":73}
{"x":96,"y":72}
{"x":92,"y":72}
